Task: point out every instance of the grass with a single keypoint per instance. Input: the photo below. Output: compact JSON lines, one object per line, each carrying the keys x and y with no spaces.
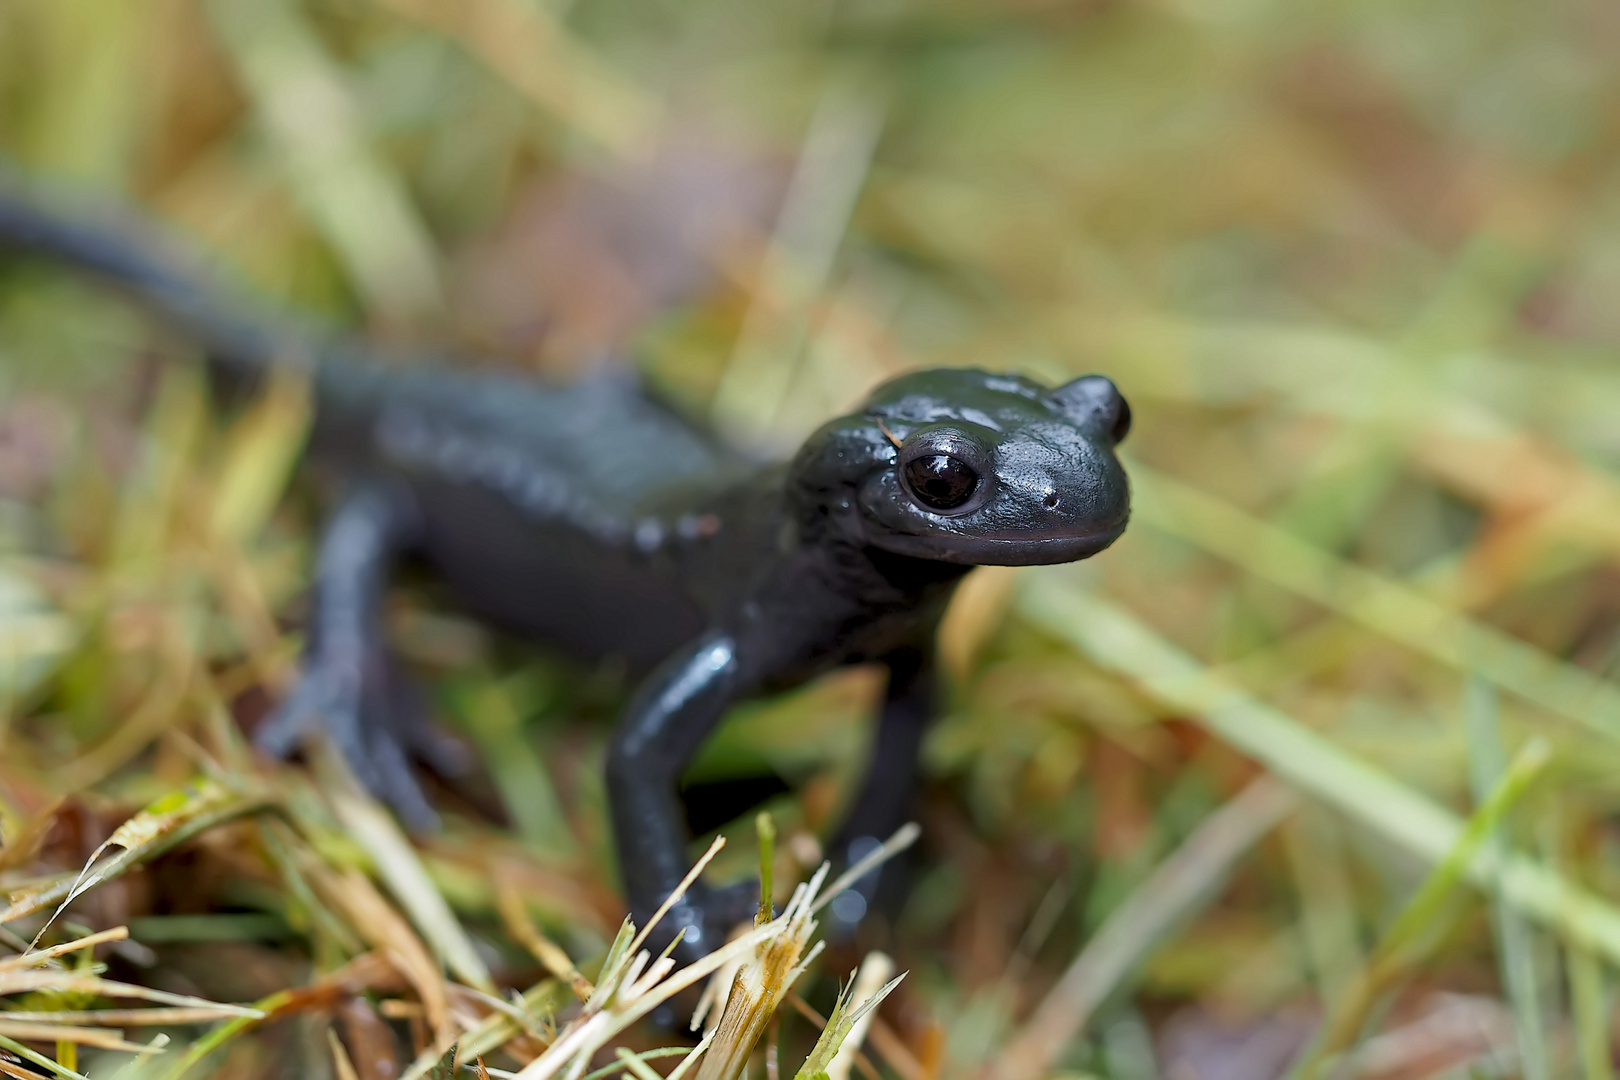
{"x":1313,"y":774}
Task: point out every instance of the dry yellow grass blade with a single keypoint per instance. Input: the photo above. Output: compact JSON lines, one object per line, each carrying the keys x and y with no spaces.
{"x":35,"y":958}
{"x":167,"y":822}
{"x":157,"y":1017}
{"x":399,"y":865}
{"x":22,"y":982}
{"x":975,"y":614}
{"x":903,"y":838}
{"x":359,"y":205}
{"x":272,"y":659}
{"x":82,"y":112}
{"x":755,"y":968}
{"x":341,"y":1064}
{"x":632,"y":998}
{"x":100,"y":1038}
{"x":261,"y":451}
{"x":524,"y":45}
{"x":383,"y":928}
{"x":798,"y":263}
{"x":1177,"y":888}
{"x":516,"y":917}
{"x":151,"y":513}
{"x":756,"y":989}
{"x":640,"y":938}
{"x":496,"y":1030}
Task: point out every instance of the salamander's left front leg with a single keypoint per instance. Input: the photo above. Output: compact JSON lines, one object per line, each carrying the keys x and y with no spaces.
{"x":672,"y":714}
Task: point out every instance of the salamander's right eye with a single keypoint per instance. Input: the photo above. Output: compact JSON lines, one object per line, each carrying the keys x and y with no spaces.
{"x":944,"y":469}
{"x":940,"y":481}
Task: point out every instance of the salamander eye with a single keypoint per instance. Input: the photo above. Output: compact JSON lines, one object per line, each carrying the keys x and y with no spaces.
{"x":941,"y":482}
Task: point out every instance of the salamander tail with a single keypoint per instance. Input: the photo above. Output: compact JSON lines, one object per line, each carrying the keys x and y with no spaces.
{"x":135,"y":258}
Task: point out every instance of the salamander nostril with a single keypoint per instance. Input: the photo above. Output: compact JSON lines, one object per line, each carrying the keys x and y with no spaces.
{"x":1052,"y":500}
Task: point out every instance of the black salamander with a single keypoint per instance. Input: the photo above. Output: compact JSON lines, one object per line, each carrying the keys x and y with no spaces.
{"x":593,"y":518}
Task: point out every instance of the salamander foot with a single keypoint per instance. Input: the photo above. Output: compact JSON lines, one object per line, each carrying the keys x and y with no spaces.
{"x":376,"y":720}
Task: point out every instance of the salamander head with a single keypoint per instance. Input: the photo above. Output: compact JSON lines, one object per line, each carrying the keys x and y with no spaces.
{"x":963,"y":466}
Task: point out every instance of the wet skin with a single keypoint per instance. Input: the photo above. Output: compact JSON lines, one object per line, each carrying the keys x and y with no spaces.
{"x":593,"y":518}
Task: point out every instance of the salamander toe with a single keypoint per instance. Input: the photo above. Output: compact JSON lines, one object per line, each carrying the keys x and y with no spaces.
{"x":374,"y":719}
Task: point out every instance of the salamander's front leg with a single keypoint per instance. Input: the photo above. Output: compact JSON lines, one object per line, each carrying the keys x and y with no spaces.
{"x":674,"y":711}
{"x":350,"y":689}
{"x":884,"y":802}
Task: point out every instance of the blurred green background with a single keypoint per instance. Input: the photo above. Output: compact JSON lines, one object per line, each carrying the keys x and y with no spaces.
{"x":1354,"y":264}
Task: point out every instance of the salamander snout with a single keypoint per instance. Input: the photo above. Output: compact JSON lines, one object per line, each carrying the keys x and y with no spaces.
{"x":1095,"y":404}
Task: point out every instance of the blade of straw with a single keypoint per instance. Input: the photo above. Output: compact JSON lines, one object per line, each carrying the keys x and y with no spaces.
{"x":680,"y":890}
{"x":1180,"y":885}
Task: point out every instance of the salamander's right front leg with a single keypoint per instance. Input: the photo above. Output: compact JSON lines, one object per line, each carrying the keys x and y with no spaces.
{"x":350,"y":689}
{"x":672,"y":714}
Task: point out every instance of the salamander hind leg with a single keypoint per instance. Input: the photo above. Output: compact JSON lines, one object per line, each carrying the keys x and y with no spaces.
{"x":351,"y":691}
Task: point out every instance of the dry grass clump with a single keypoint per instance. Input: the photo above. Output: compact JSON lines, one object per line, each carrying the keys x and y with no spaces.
{"x":453,"y":1019}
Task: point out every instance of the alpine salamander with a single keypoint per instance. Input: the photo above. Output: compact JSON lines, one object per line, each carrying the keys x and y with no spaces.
{"x":594,"y":518}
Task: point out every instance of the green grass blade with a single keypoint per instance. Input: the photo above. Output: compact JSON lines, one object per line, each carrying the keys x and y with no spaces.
{"x":1119,"y":642}
{"x":1515,"y":948}
{"x":1412,"y":936}
{"x":1383,"y":606}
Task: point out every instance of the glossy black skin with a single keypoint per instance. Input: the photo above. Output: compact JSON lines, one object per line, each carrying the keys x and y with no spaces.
{"x":595,"y":519}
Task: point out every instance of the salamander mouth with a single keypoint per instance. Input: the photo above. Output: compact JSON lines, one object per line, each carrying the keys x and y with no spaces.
{"x":1010,"y":551}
